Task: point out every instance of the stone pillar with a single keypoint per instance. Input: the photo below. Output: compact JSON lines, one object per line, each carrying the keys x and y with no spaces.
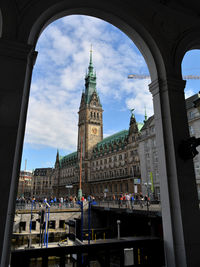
{"x":16,"y":61}
{"x":180,"y":209}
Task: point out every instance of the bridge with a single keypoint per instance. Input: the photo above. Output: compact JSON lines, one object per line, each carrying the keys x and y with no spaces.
{"x":140,"y":207}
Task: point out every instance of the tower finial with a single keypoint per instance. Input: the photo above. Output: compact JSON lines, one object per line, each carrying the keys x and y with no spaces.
{"x":91,"y":54}
{"x":132,"y":114}
{"x":145,"y":114}
{"x":90,"y":68}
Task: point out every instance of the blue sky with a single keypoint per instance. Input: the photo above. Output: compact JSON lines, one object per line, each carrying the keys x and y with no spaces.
{"x":58,"y":81}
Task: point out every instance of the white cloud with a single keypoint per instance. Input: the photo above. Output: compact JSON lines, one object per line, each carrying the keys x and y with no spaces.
{"x":142,"y":99}
{"x":59,"y":74}
{"x":189,"y":92}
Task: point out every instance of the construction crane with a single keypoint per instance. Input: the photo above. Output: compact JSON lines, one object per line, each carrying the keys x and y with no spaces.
{"x":145,"y":76}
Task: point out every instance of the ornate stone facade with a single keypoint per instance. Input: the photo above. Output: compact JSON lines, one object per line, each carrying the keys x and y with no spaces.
{"x":42,"y":183}
{"x":148,"y":150}
{"x":110,"y":165}
{"x":25,"y":184}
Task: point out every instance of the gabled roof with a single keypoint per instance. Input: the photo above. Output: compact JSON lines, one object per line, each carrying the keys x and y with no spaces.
{"x":140,"y":125}
{"x":147,"y":123}
{"x":190,"y":101}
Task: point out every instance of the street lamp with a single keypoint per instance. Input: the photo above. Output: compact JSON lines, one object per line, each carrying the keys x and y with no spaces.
{"x":118,"y":229}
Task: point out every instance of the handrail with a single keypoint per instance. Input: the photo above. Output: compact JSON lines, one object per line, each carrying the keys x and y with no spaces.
{"x":141,"y":205}
{"x":57,"y":206}
{"x":146,"y":251}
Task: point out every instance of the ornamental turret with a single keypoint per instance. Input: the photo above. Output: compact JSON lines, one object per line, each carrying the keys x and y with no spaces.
{"x":133,"y":128}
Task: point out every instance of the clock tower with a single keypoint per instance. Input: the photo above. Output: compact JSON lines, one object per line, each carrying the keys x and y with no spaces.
{"x":90,"y":126}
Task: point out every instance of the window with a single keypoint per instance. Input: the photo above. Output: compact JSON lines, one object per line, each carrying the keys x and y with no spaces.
{"x":22,"y":226}
{"x":52,"y":224}
{"x":197,"y":169}
{"x":121,"y":188}
{"x":126,"y":187}
{"x":191,"y":129}
{"x":110,"y":188}
{"x":155,"y":157}
{"x":191,"y":114}
{"x":115,"y":187}
{"x":120,"y":157}
{"x":110,"y":159}
{"x":105,"y":161}
{"x":154,"y":142}
{"x":33,"y":225}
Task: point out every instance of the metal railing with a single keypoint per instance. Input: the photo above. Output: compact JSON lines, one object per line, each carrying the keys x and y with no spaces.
{"x":130,"y":205}
{"x":36,"y":206}
{"x":144,"y":251}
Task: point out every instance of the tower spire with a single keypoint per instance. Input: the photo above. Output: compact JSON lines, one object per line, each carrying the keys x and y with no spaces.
{"x":57,"y":159}
{"x":90,"y":68}
{"x":90,"y":80}
{"x":145,"y":114}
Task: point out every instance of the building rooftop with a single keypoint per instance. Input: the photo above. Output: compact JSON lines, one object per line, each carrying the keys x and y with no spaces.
{"x":147,"y":123}
{"x":190,"y":101}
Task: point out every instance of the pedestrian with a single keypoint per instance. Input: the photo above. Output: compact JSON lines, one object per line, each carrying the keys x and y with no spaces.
{"x":132,"y":201}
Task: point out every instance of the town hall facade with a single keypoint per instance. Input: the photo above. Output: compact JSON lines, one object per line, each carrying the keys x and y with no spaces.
{"x":110,"y":166}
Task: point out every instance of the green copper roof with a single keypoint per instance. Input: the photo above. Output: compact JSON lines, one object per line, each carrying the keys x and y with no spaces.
{"x":68,"y":158}
{"x":140,"y":125}
{"x":90,"y":82}
{"x":115,"y":138}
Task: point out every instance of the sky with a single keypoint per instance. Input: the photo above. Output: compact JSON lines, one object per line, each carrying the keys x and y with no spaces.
{"x":58,"y":81}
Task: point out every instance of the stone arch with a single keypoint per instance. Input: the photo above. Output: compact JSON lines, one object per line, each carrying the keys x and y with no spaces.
{"x":38,"y":17}
{"x":187,"y":42}
{"x":32,"y":18}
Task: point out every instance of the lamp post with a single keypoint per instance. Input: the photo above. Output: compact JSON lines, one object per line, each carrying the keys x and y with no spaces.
{"x":118,"y":229}
{"x":80,"y":179}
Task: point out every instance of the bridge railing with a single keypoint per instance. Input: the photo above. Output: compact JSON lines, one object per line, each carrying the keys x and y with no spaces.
{"x":139,"y":252}
{"x":35,"y":206}
{"x":131,"y":205}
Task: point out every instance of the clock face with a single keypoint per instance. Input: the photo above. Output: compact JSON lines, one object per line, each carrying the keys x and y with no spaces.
{"x":94,"y":130}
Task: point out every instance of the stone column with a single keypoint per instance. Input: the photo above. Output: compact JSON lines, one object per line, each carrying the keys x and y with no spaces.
{"x":16,"y":61}
{"x":180,"y":209}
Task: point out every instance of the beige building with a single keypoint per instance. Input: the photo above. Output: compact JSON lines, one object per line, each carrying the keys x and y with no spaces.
{"x":109,"y":165}
{"x":148,"y":149}
{"x":42,"y":183}
{"x":25,"y":184}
